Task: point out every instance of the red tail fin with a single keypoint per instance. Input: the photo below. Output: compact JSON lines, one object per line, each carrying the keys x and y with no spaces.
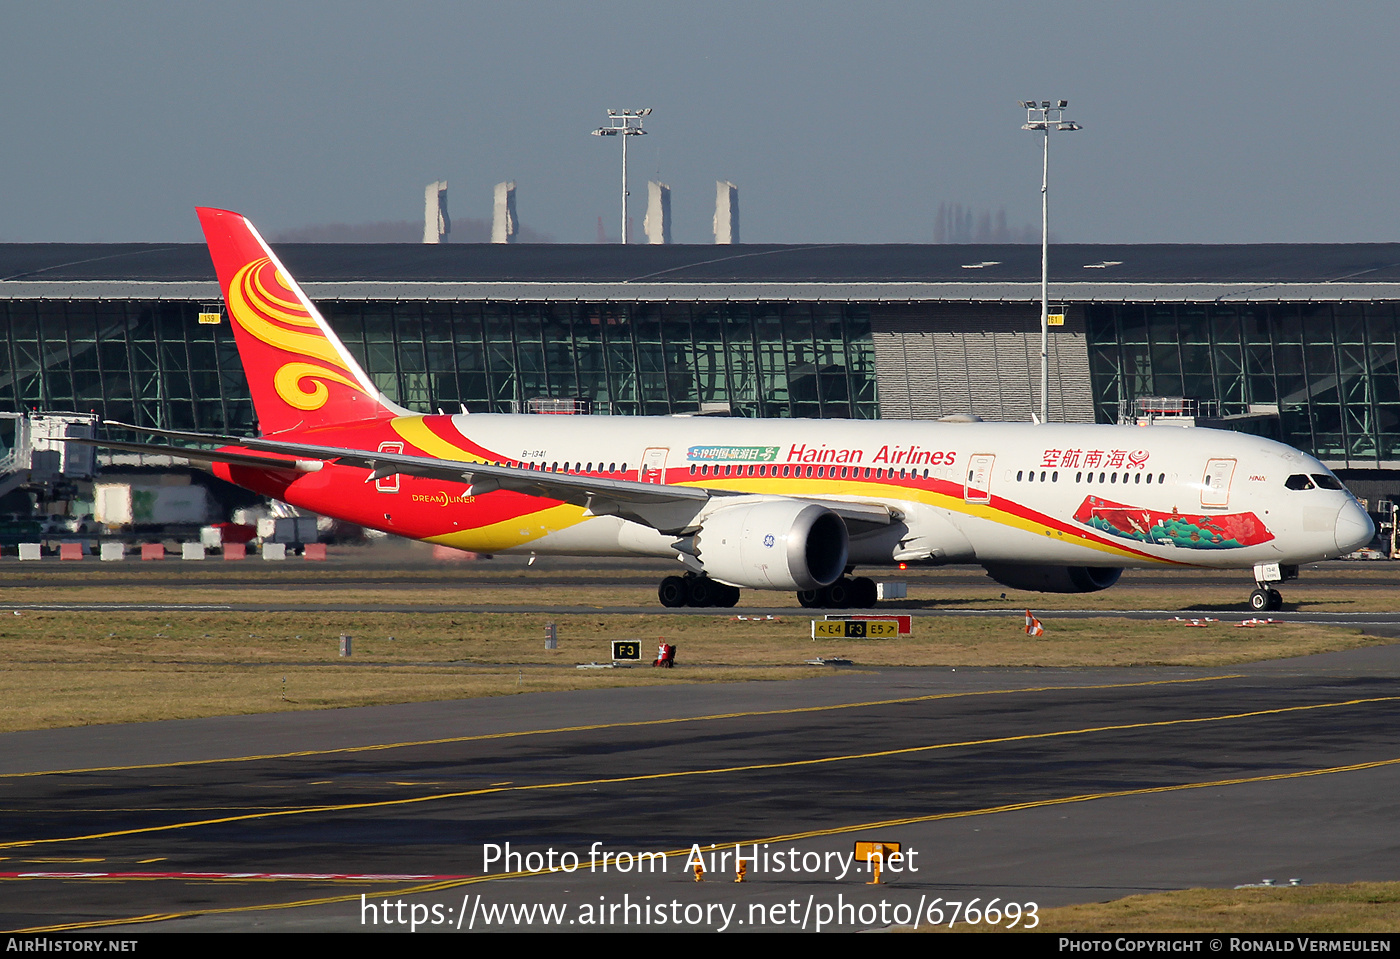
{"x":299,"y":373}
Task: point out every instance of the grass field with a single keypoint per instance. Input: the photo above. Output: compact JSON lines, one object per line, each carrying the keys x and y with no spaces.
{"x":66,"y":668}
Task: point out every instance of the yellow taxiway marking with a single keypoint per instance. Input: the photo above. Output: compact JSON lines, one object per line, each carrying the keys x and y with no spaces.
{"x":797,"y":710}
{"x":789,"y":837}
{"x":682,"y":773}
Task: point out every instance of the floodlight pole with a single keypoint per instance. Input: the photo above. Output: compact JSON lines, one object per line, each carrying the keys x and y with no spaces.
{"x":1041,"y":117}
{"x":621,"y":123}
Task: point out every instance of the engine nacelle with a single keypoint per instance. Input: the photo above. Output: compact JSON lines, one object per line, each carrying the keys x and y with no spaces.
{"x":773,"y":545}
{"x":1055,"y":579}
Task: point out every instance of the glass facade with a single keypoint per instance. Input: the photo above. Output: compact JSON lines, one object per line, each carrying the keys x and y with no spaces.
{"x":1331,"y":368}
{"x":154,"y":364}
{"x":762,"y":360}
{"x":150,"y":363}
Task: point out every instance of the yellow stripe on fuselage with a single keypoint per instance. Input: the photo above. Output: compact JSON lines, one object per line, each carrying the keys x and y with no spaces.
{"x":415,"y":431}
{"x":513,"y":533}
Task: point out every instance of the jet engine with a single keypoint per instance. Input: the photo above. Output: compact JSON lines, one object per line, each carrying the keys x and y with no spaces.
{"x":782,"y":544}
{"x":1054,"y":579}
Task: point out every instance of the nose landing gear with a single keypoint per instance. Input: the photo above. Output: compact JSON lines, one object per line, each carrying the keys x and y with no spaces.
{"x":1266,"y":575}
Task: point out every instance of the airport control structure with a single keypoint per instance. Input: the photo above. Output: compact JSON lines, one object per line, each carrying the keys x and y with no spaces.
{"x":1297,"y":342}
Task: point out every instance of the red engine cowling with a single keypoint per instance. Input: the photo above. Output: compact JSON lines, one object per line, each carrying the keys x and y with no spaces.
{"x":774,"y":545}
{"x":1054,"y":579}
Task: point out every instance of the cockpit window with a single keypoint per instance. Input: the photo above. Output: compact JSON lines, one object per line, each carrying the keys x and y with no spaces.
{"x":1298,"y":481}
{"x":1326,"y":481}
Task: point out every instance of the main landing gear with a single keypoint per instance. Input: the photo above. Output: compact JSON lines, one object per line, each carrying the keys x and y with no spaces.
{"x":696,"y":590}
{"x":845,"y":593}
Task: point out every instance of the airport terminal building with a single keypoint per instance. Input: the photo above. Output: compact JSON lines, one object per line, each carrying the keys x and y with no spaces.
{"x":1298,"y":342}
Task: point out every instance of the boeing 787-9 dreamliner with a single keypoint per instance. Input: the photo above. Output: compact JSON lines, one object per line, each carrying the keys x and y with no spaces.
{"x":782,"y":504}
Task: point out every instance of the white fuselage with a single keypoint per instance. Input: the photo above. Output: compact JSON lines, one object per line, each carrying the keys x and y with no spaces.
{"x":962,"y":492}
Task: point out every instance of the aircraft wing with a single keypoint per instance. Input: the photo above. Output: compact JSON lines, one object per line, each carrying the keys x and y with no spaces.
{"x":670,"y":509}
{"x":204,"y":458}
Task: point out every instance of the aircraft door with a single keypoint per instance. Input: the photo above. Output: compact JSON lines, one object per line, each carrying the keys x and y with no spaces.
{"x":389,"y":484}
{"x":1215,"y":489}
{"x":978,"y":487}
{"x":654,"y":465}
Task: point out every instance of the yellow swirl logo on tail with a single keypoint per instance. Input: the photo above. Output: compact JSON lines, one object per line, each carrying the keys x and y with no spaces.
{"x":299,"y":384}
{"x":262,"y":303}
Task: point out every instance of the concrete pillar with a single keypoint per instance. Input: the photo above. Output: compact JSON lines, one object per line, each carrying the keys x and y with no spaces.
{"x":657,"y":224}
{"x":503,"y":221}
{"x":726,"y":212}
{"x":436,"y":223}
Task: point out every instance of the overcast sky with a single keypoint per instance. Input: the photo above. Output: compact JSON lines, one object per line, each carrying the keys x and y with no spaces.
{"x":1203,"y":122}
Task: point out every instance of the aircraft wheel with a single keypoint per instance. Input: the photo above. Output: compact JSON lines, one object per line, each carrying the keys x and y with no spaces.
{"x":672,"y":592}
{"x":701,"y":591}
{"x":812,"y":598}
{"x":726,"y":597}
{"x":864,"y":595}
{"x":838,"y":594}
{"x":1275,"y":600}
{"x":1259,"y":599}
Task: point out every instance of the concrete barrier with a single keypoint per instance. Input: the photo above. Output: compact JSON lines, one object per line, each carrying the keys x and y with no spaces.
{"x":153,"y":551}
{"x":113,"y":551}
{"x":70,"y":550}
{"x":315,"y":551}
{"x":31,"y":551}
{"x":274,"y":551}
{"x":191,"y":550}
{"x":235,"y":550}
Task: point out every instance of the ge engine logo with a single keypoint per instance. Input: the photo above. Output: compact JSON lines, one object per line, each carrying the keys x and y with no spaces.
{"x":768,"y":541}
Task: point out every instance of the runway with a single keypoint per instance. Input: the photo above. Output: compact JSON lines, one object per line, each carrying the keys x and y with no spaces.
{"x":402,"y":568}
{"x":1041,"y":787}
